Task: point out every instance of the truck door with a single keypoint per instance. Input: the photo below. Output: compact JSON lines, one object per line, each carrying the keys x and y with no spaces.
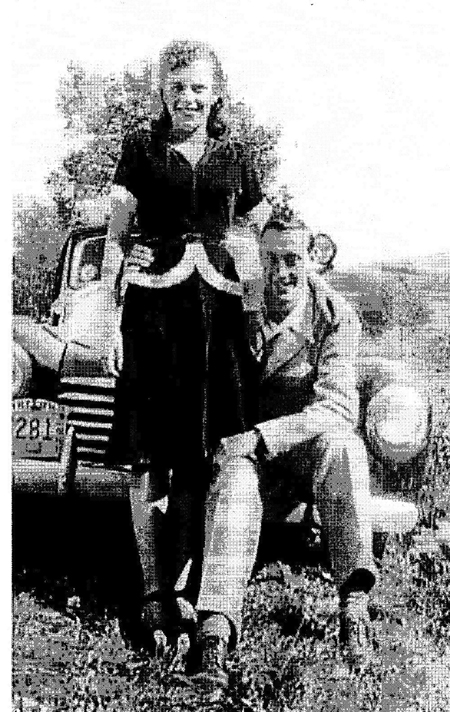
{"x":81,"y":301}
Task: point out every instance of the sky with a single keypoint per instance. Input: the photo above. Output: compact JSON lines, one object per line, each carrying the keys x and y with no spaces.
{"x":359,"y":87}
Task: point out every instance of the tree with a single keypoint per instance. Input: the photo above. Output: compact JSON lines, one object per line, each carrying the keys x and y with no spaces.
{"x":37,"y":244}
{"x":282,"y":209}
{"x":100,"y":109}
{"x":404,"y":305}
{"x":260,"y":141}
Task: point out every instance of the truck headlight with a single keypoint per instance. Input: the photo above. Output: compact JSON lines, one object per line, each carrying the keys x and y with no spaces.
{"x":22,"y":369}
{"x":397,"y":423}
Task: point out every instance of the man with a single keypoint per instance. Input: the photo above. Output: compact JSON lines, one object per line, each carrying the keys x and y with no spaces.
{"x":305,"y":447}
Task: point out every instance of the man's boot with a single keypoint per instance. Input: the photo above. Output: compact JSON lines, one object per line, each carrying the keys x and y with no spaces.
{"x":212,"y":677}
{"x":356,"y":635}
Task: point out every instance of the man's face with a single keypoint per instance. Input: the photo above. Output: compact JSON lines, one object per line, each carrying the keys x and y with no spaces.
{"x":188,"y":92}
{"x":285,"y":275}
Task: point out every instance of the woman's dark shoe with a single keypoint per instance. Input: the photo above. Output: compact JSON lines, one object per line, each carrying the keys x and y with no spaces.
{"x":184,"y":629}
{"x":169,"y":620}
{"x":154,"y":622}
{"x":185,"y":613}
{"x":179,"y":662}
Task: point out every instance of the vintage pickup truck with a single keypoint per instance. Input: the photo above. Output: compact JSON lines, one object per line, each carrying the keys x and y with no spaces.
{"x":63,"y":399}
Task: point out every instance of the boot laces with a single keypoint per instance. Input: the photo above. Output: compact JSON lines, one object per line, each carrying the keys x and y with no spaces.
{"x":214,"y":652}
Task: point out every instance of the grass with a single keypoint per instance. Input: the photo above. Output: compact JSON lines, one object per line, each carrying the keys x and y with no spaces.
{"x":72,"y":650}
{"x":288,"y":658}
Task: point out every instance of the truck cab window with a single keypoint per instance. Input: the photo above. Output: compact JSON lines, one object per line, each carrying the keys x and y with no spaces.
{"x":87,"y":261}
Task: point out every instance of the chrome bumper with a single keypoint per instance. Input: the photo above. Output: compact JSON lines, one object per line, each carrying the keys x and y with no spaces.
{"x":65,"y":477}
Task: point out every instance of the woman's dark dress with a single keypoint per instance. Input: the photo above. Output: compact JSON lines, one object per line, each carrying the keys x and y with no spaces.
{"x":188,"y":375}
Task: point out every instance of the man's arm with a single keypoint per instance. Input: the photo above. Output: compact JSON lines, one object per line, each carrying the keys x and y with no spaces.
{"x":336,"y":401}
{"x":335,"y":395}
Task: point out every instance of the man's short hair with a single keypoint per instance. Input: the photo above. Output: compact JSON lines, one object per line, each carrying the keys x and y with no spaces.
{"x":283,"y":226}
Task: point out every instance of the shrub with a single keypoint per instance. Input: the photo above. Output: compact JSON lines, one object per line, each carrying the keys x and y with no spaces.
{"x":37,"y":244}
{"x":439,"y":352}
{"x":435,"y":492}
{"x":404,"y":304}
{"x":33,"y":290}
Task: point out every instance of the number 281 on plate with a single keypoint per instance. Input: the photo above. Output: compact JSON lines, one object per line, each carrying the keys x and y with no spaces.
{"x":38,"y":428}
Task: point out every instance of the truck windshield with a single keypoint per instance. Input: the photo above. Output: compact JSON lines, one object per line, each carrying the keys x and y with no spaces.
{"x":87,"y":261}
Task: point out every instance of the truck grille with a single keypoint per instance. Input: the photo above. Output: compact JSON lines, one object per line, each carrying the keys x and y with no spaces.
{"x":90,"y":404}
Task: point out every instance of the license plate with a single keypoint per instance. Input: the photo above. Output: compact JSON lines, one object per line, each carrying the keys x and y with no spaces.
{"x":38,"y":428}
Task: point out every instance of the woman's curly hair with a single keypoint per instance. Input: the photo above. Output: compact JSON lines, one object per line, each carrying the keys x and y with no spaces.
{"x":182,"y":53}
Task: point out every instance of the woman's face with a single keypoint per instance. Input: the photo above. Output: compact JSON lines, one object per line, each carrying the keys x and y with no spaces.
{"x":188,"y":93}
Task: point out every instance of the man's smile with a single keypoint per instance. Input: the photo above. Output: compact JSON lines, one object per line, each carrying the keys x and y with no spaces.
{"x":189,"y":110}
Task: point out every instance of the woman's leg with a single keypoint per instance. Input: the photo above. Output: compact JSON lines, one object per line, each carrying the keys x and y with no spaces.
{"x":140,"y":439}
{"x":190,"y":338}
{"x":148,"y":502}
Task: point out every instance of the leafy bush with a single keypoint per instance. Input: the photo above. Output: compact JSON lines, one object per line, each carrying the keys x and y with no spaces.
{"x":100,"y":109}
{"x":386,"y":296}
{"x":37,"y":245}
{"x":439,"y":351}
{"x":33,"y":290}
{"x":404,"y":303}
{"x":434,"y":496}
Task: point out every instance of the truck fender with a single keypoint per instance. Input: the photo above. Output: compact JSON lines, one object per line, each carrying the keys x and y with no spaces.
{"x":39,"y":341}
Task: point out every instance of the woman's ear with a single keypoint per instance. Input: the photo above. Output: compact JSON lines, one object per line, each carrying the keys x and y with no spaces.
{"x":216,"y":125}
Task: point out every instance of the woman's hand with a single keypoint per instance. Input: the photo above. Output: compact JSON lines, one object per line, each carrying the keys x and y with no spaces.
{"x":243,"y":246}
{"x":140,"y":257}
{"x":114,"y":356}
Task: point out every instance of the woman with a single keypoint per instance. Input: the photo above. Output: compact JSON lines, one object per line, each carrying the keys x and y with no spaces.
{"x":188,"y":375}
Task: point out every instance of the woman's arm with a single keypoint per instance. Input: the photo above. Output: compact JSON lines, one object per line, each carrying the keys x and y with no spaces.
{"x":123,"y":203}
{"x":122,"y":211}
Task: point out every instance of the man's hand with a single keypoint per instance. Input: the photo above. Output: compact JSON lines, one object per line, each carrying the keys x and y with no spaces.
{"x":140,"y":257}
{"x":241,"y":445}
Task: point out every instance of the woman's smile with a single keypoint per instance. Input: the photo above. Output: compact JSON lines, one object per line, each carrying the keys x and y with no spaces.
{"x":189,"y":93}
